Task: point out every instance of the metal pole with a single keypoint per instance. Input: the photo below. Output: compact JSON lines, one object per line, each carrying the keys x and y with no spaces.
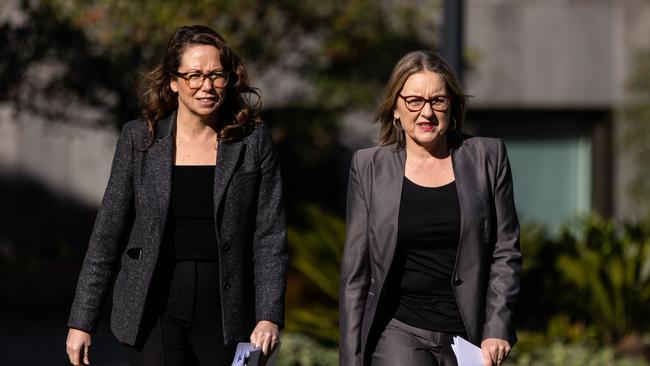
{"x":452,"y":45}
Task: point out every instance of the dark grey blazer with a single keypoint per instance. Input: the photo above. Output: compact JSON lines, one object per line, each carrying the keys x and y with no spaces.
{"x":249,"y":222}
{"x":488,"y":266}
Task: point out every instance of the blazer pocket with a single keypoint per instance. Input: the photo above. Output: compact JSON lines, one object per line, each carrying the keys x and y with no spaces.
{"x":246,"y":174}
{"x":134,"y":253}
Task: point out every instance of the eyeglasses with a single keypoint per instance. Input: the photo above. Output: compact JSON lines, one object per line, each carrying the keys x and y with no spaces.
{"x":195,"y":79}
{"x":414,"y":103}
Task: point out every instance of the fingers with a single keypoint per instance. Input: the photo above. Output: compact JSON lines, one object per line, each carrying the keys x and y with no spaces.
{"x":487,"y":358}
{"x":499,"y":354}
{"x":78,"y":347}
{"x":73,"y":356}
{"x":265,"y":336}
{"x":494,"y":351}
{"x":267,"y":341}
{"x":78,"y":355}
{"x":87,"y":354}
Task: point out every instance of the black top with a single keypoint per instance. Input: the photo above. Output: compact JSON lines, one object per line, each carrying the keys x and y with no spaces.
{"x":427,"y":243}
{"x":191,"y":214}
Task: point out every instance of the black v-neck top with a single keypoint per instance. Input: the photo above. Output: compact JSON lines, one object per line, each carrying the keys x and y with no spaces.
{"x":427,"y":244}
{"x":191,"y":225}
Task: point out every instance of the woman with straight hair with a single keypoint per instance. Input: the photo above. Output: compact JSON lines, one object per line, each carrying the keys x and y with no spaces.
{"x":432,"y":242}
{"x":192,"y":217}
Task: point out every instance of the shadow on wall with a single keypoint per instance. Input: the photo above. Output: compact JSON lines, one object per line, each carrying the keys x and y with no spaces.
{"x":43,"y":236}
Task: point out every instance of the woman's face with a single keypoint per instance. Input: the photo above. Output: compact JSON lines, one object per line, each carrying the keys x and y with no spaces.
{"x":203,"y":102}
{"x":428,"y":125}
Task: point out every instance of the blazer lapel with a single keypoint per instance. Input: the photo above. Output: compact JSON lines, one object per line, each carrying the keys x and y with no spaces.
{"x":162,"y":152}
{"x":388,"y":178}
{"x":472,"y":218}
{"x":228,"y":154}
{"x":463,"y":188}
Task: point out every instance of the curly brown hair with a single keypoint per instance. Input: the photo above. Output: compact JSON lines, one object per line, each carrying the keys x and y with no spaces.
{"x":412,"y":63}
{"x":238,"y":115}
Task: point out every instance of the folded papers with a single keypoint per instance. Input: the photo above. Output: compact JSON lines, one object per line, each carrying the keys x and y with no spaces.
{"x":249,"y":355}
{"x":467,"y":354}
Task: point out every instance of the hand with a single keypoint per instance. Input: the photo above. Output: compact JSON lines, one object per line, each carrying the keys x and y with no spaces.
{"x":265,"y":335}
{"x":494,"y":351}
{"x":78,"y":347}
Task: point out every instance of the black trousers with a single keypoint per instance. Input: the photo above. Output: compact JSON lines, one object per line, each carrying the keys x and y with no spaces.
{"x":404,"y":345}
{"x":187,"y":328}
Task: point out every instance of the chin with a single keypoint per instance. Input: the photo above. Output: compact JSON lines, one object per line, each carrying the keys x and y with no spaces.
{"x":206,"y":112}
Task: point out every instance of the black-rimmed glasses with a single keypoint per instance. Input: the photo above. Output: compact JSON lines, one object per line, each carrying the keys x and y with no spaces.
{"x":195,"y":79}
{"x":415,"y":103}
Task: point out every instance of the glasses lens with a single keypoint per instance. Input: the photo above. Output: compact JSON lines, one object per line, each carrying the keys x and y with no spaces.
{"x":195,"y":80}
{"x":415,"y":103}
{"x":440,"y":103}
{"x":219,"y":79}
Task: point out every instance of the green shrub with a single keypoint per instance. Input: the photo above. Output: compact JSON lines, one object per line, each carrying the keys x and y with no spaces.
{"x":316,"y":249}
{"x":301,"y":350}
{"x":580,"y":354}
{"x":608,"y":272}
{"x":589,"y":281}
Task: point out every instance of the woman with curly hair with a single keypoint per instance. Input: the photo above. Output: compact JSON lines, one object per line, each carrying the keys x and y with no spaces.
{"x":191,"y":228}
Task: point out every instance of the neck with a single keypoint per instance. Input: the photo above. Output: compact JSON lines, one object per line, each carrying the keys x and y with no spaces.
{"x":437,"y":149}
{"x":190,"y":125}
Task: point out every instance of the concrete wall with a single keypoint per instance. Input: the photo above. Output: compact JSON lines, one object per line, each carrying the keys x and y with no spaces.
{"x":557,"y":55}
{"x":71,"y":159}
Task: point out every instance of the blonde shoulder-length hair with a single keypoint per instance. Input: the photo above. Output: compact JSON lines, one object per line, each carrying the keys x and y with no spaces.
{"x":412,"y":63}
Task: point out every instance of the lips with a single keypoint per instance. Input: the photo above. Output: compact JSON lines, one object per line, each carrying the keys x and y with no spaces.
{"x":207,"y":101}
{"x":426,"y":126}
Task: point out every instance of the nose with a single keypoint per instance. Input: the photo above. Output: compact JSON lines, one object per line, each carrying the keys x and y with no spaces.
{"x":207,"y":84}
{"x":427,"y":110}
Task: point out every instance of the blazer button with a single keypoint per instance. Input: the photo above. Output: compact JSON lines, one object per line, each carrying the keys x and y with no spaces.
{"x":227,"y":286}
{"x":458,"y":282}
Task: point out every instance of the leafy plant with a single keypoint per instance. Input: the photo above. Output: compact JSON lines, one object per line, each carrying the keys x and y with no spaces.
{"x":301,"y":350}
{"x":609,"y":270}
{"x":316,"y":248}
{"x":636,"y":127}
{"x":326,"y":43}
{"x":572,"y":354}
{"x":541,"y":296}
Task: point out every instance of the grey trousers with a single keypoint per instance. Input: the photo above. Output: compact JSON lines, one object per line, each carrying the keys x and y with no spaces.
{"x":402,"y":344}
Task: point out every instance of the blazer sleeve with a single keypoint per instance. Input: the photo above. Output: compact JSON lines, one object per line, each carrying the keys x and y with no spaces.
{"x":99,"y":265}
{"x":505,"y":270}
{"x":355,"y":271}
{"x":270,"y":237}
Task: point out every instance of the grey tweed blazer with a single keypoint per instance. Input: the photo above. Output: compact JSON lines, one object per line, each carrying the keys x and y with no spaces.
{"x":128,"y":232}
{"x":488,"y":265}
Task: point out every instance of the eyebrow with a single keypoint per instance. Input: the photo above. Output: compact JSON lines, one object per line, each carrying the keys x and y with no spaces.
{"x":421,"y":96}
{"x":200,"y":72}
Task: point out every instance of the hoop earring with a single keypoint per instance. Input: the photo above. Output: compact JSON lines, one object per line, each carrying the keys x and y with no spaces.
{"x":397,"y":127}
{"x":454,"y":124}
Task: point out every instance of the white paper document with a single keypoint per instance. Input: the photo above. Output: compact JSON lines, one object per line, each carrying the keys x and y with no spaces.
{"x":467,"y":354}
{"x":249,"y":355}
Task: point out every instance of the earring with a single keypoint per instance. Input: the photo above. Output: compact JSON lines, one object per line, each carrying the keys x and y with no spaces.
{"x":397,"y":127}
{"x":454,"y":124}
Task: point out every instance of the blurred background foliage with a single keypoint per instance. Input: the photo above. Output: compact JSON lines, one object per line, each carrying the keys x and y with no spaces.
{"x":636,"y":129}
{"x":584,"y":300}
{"x":344,"y":51}
{"x":586,"y":291}
{"x":316,"y":244}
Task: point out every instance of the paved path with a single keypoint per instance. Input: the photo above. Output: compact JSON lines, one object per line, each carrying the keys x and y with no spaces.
{"x":34,"y":346}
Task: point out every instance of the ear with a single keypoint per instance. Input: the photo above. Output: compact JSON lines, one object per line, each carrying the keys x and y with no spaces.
{"x":173,"y":84}
{"x":395,"y":114}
